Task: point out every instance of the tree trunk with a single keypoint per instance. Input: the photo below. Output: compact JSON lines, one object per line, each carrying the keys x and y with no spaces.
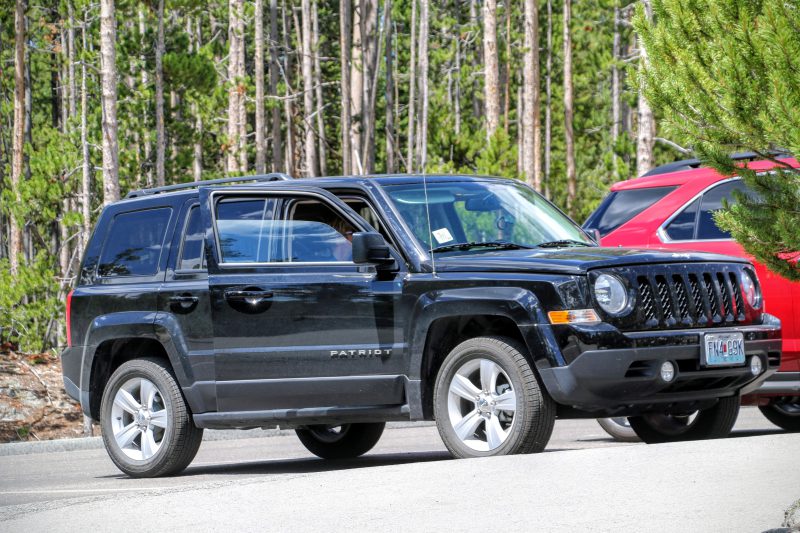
{"x":197,"y":144}
{"x":86,"y":177}
{"x":530,"y":118}
{"x":457,"y":90}
{"x":616,"y":112}
{"x":646,"y":138}
{"x":288,"y":106}
{"x":345,"y":43}
{"x":161,"y":141}
{"x":148,"y":165}
{"x":491,"y":85}
{"x":507,"y":73}
{"x":322,"y":154}
{"x":234,"y":11}
{"x":371,"y":44}
{"x":412,"y":84}
{"x":568,"y":112}
{"x":310,"y":147}
{"x":241,"y":120}
{"x":274,"y":76}
{"x":73,"y":97}
{"x":548,"y":119}
{"x":108,"y":75}
{"x":422,"y":156}
{"x":357,"y":87}
{"x":18,"y":159}
{"x":261,"y":144}
{"x":390,"y":140}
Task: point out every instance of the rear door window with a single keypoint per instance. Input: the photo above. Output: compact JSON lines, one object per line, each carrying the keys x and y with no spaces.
{"x":682,"y":226}
{"x":621,"y":206}
{"x":707,"y":229}
{"x":134,"y":243}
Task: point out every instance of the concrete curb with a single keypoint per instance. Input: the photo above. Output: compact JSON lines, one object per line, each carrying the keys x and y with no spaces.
{"x":96,"y":443}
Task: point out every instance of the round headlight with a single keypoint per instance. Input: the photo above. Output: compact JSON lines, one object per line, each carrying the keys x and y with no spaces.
{"x":611,"y":294}
{"x":752,"y":293}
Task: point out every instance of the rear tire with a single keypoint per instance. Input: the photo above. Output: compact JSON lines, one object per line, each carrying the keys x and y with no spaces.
{"x":784,"y":413}
{"x":713,"y":423}
{"x":345,"y":441}
{"x":488,"y":401}
{"x":147,"y":427}
{"x":619,"y":428}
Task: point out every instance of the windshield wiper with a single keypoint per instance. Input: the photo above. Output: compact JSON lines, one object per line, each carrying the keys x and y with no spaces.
{"x":500,"y":245}
{"x":564,"y":243}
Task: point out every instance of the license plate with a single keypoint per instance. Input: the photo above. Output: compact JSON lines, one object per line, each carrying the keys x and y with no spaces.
{"x":723,"y":349}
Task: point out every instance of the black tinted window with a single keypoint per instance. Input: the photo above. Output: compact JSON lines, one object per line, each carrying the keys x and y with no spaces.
{"x":243,"y":229}
{"x":712,"y":201}
{"x":192,"y":251}
{"x":134,"y":243}
{"x":621,"y":206}
{"x":682,"y":226}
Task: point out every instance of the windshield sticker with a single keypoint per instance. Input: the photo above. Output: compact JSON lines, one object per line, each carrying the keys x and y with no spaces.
{"x":442,"y":235}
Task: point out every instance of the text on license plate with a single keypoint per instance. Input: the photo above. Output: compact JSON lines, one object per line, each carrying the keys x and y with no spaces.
{"x":723,"y":349}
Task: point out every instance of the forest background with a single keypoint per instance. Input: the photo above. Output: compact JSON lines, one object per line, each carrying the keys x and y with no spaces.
{"x":97,"y":99}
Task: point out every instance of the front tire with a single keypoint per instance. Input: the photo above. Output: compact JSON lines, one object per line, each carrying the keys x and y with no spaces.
{"x":619,"y":428}
{"x":713,"y":423}
{"x":147,"y":427}
{"x":346,"y":441}
{"x":784,"y":413}
{"x":488,"y":401}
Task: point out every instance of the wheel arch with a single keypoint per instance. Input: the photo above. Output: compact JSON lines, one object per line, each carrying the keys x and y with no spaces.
{"x":444,"y":319}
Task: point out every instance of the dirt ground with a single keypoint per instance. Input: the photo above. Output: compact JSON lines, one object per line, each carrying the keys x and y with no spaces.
{"x":33,"y":402}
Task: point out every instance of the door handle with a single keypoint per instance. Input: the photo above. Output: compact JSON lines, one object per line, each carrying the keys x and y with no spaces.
{"x":184,"y":299}
{"x":252,"y":297}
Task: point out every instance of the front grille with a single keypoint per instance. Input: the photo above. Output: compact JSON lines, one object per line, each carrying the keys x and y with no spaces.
{"x":685,"y":296}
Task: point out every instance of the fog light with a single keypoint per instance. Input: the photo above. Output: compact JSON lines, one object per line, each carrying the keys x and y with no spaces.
{"x":755,"y":365}
{"x":667,"y":371}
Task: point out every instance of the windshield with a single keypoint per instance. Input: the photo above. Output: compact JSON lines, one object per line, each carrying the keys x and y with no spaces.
{"x":482,"y":214}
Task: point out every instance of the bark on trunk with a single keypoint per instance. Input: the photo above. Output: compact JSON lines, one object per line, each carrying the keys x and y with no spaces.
{"x":322,"y":154}
{"x":371,"y":44}
{"x":548,"y":119}
{"x":86,"y":167}
{"x":108,"y":75}
{"x":232,"y":161}
{"x":274,"y":76}
{"x":161,"y":140}
{"x":17,"y":162}
{"x":261,"y":144}
{"x":530,"y":118}
{"x":357,"y":88}
{"x":422,"y":154}
{"x":568,"y":112}
{"x":646,"y":137}
{"x":146,"y":144}
{"x":491,"y":85}
{"x":412,"y":84}
{"x":390,"y":141}
{"x":345,"y":42}
{"x":310,"y":147}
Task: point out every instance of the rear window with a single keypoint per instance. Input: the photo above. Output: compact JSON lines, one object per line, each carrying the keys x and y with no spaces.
{"x":620,"y":206}
{"x":134,"y":243}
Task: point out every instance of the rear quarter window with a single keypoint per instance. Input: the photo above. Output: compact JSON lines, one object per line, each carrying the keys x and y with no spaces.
{"x":621,"y":206}
{"x":134,"y":243}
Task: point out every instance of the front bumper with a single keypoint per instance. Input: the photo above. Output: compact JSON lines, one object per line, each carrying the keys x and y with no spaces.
{"x":625,"y":381}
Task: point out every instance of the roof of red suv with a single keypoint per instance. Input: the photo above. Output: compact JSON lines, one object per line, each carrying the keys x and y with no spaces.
{"x":694,"y":174}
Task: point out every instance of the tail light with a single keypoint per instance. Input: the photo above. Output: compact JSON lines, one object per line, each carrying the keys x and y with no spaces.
{"x":69,"y":319}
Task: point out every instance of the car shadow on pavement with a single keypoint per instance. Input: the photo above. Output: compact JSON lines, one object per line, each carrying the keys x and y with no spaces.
{"x":313,"y":464}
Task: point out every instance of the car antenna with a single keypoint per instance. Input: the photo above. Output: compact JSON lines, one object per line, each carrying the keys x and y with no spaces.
{"x":430,"y":228}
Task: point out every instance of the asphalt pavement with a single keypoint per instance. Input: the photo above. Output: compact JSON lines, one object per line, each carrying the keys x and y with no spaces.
{"x":266,"y":481}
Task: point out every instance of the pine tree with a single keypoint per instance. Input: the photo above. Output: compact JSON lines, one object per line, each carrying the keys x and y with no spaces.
{"x":724,"y":74}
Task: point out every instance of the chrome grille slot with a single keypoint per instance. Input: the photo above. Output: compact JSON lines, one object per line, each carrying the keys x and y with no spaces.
{"x":664,"y":297}
{"x":726,"y":300}
{"x":682,"y":297}
{"x":646,"y":299}
{"x":737,"y":296}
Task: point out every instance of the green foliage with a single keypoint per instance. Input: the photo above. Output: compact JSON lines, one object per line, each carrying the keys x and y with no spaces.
{"x":724,"y":74}
{"x":29,"y":304}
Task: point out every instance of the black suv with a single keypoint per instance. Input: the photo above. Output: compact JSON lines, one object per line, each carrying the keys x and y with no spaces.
{"x":333,"y":305}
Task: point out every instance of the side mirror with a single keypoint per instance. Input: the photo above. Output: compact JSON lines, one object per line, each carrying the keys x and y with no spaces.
{"x":371,"y":247}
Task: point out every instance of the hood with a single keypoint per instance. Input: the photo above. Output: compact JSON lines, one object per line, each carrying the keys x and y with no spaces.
{"x":568,"y":260}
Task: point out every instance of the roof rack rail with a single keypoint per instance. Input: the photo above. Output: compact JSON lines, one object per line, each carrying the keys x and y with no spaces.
{"x":274,"y":176}
{"x":687,"y":164}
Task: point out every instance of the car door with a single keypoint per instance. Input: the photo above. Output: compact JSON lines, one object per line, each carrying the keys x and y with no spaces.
{"x":296,"y":323}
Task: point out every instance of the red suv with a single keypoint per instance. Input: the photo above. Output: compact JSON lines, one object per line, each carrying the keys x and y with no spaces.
{"x":672,"y":207}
